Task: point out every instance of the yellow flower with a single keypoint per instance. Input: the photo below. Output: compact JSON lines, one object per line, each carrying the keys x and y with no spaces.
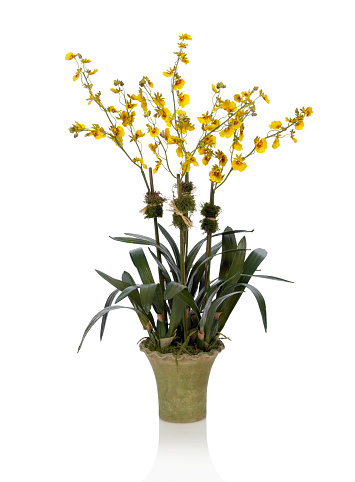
{"x":79,"y":127}
{"x":138,"y":159}
{"x":157,"y":165}
{"x":238,"y":164}
{"x":91,"y":98}
{"x":130,"y":105}
{"x":260,"y":144}
{"x":275,"y":125}
{"x":215,"y":174}
{"x":237,"y":146}
{"x":228,"y":105}
{"x":150,"y":83}
{"x":154,"y":132}
{"x":92,"y":72}
{"x":183,"y":99}
{"x":294,"y":139}
{"x":276,"y":143}
{"x":183,"y":58}
{"x":179,"y":84}
{"x":210,"y":140}
{"x":69,"y":56}
{"x":205,"y":119}
{"x":214,"y":124}
{"x":126,"y":118}
{"x":77,"y":75}
{"x":264,"y":96}
{"x":299,"y":125}
{"x":158,"y":99}
{"x":185,"y":36}
{"x":97,"y":131}
{"x":237,"y":98}
{"x":223,"y":159}
{"x":85,"y":61}
{"x":179,"y":151}
{"x":115,"y":91}
{"x":214,"y":88}
{"x":118,"y":132}
{"x":136,"y":136}
{"x":191,"y":159}
{"x":206,"y":159}
{"x":309,"y":111}
{"x":169,"y":72}
{"x":153,"y":147}
{"x":112,"y":109}
{"x":165,"y":115}
{"x":227,"y":132}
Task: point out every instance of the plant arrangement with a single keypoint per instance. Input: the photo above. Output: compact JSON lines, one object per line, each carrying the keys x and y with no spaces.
{"x":183,"y":310}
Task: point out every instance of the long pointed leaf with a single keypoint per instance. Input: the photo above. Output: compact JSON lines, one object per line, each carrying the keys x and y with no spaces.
{"x":177,"y":313}
{"x":228,"y":243}
{"x":161,"y":267}
{"x":109,"y":302}
{"x":147,"y":292}
{"x":174,"y":289}
{"x":250,"y":266}
{"x":103,"y":312}
{"x":172,"y":243}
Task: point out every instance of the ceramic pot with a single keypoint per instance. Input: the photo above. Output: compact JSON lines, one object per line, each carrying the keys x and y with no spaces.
{"x":182,"y":383}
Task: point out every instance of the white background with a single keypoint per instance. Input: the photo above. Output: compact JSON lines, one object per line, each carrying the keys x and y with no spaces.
{"x":280,"y":404}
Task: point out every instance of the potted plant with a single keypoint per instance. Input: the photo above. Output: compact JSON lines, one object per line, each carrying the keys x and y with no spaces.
{"x":182,"y":310}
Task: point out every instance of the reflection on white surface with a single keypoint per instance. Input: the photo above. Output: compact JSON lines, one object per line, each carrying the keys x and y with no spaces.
{"x":183,"y":454}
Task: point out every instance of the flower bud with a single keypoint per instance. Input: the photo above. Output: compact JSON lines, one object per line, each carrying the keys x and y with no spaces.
{"x":255,"y":88}
{"x":76,"y":134}
{"x":220,"y":85}
{"x":80,"y":56}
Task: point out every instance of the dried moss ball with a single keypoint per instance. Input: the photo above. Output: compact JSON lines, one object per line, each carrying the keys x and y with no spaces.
{"x":210,"y":210}
{"x":154,"y":207}
{"x":187,"y":187}
{"x":210,"y":226}
{"x":154,"y":211}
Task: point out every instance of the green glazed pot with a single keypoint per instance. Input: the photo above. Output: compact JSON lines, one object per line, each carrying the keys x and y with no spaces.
{"x":182,"y":388}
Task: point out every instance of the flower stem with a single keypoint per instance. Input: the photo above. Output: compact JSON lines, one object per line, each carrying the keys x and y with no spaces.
{"x":161,"y":278}
{"x":182,"y":254}
{"x":208,"y":247}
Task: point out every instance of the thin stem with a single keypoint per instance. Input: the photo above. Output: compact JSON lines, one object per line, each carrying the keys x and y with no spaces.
{"x":161,"y":278}
{"x":208,"y":247}
{"x":182,"y":255}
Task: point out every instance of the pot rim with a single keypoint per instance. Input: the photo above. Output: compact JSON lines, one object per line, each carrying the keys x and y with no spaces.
{"x":188,"y":356}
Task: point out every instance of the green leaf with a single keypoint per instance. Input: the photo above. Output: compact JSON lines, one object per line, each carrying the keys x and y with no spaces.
{"x":103,"y":312}
{"x":267,"y":277}
{"x":161,"y":266}
{"x":108,"y":303}
{"x":145,"y":241}
{"x":172,"y":243}
{"x":140,"y":262}
{"x":208,"y":315}
{"x":147,"y":292}
{"x":228,"y":243}
{"x":235,"y":269}
{"x":174,"y":289}
{"x":121,"y":285}
{"x":198,"y":270}
{"x":177,"y":313}
{"x":127,"y":278}
{"x":251,"y":264}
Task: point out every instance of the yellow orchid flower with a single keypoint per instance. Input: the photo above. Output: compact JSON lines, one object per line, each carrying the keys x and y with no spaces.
{"x":169,"y":72}
{"x":112,"y":109}
{"x":223,"y":159}
{"x":204,"y":119}
{"x":154,"y":132}
{"x":213,"y":125}
{"x":92,"y":72}
{"x":227,"y":132}
{"x":238,"y":164}
{"x":264,"y":96}
{"x":206,"y":159}
{"x":299,"y":125}
{"x":138,"y":159}
{"x":183,"y":99}
{"x":179,"y":151}
{"x":79,"y":127}
{"x":69,"y":56}
{"x":77,"y":75}
{"x":260,"y":144}
{"x":158,"y":99}
{"x":237,"y":98}
{"x":157,"y":165}
{"x":97,"y":131}
{"x":137,"y":135}
{"x":237,"y":146}
{"x":276,"y":143}
{"x":179,"y":84}
{"x":308,"y":111}
{"x":275,"y":125}
{"x":214,"y":88}
{"x":228,"y":105}
{"x":185,"y":36}
{"x":215,"y":174}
